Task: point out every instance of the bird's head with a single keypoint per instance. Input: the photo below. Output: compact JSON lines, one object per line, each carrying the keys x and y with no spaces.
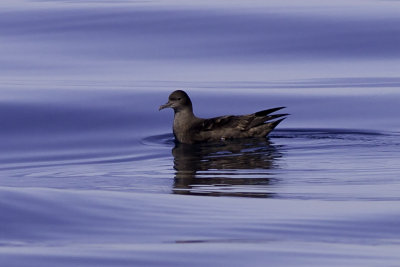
{"x":177,"y":100}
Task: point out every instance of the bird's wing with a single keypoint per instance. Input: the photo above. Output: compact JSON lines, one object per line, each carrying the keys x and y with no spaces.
{"x":213,"y":124}
{"x":241,"y":123}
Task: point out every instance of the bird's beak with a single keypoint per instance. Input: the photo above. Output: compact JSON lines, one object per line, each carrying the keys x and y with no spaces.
{"x":167,"y":105}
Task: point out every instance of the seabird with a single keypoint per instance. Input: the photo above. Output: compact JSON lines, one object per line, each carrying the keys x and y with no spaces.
{"x":190,"y":129}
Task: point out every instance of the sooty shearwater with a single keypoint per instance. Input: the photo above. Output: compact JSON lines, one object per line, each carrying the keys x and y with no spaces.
{"x":190,"y":129}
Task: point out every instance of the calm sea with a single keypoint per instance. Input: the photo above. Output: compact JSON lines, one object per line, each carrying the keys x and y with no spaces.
{"x":90,"y":174}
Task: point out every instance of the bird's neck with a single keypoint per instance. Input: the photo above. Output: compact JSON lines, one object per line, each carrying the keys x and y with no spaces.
{"x":183,"y":120}
{"x":184,"y":114}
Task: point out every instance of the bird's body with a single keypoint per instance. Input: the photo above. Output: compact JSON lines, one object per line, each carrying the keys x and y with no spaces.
{"x":190,"y":129}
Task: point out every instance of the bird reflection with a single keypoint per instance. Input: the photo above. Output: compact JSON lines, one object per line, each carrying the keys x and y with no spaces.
{"x":230,"y":168}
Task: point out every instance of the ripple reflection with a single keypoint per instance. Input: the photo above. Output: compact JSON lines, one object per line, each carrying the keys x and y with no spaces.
{"x":240,"y":168}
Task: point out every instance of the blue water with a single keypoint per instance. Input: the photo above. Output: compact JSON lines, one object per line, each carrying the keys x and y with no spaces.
{"x":90,"y":174}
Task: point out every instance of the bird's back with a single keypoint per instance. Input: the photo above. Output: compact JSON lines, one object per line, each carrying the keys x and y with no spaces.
{"x":258,"y":124}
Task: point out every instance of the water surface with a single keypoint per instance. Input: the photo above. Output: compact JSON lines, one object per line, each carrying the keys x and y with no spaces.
{"x":90,"y":174}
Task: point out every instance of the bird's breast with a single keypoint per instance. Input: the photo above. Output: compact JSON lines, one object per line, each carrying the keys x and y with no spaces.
{"x":183,"y":127}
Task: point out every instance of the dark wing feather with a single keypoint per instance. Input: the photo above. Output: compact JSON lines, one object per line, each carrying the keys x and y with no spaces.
{"x":263,"y":119}
{"x":267,"y":111}
{"x":242,"y":123}
{"x":218,"y":122}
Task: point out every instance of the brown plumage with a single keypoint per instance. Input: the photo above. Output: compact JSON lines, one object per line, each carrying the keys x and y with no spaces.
{"x":190,"y":129}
